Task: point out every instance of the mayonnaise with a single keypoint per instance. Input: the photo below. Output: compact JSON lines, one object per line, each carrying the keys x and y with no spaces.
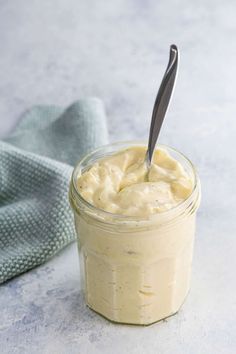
{"x":135,"y":270}
{"x":121,"y":183}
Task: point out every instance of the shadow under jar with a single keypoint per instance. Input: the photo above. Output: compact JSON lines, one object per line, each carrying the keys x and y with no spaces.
{"x":134,"y":270}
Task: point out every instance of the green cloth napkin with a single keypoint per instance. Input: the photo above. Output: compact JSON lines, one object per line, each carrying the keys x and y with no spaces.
{"x":35,"y":169}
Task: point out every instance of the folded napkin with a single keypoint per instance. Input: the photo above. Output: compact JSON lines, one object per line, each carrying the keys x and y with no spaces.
{"x":35,"y":169}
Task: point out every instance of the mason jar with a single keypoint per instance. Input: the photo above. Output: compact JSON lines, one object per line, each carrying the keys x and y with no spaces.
{"x":134,"y":270}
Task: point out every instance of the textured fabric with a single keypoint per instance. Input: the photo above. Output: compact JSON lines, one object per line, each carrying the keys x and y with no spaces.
{"x":35,"y":169}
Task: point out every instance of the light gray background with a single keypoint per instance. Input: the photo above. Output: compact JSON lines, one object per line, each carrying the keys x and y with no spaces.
{"x":55,"y":51}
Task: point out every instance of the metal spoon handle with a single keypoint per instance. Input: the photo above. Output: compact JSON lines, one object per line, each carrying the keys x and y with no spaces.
{"x":162,"y":101}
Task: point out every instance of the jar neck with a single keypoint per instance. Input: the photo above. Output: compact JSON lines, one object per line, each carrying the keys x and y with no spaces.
{"x":108,"y":220}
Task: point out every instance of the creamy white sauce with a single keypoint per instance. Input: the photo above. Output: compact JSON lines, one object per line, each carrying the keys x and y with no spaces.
{"x":121,"y":183}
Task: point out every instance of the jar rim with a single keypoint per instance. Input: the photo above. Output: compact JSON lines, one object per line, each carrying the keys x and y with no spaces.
{"x":103,"y":214}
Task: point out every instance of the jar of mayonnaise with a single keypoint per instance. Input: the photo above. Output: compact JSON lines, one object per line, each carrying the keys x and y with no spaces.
{"x":135,"y":269}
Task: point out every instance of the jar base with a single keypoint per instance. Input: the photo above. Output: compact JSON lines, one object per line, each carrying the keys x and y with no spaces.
{"x":132,"y":324}
{"x":138,"y":324}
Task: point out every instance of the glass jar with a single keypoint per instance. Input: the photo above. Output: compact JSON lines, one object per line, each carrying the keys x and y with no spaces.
{"x":134,"y":270}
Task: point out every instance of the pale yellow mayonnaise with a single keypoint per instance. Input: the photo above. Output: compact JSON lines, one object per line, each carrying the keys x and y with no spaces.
{"x":121,"y":183}
{"x":134,"y":273}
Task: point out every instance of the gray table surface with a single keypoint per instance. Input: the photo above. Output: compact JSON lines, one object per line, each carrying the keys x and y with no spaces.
{"x":56,"y":51}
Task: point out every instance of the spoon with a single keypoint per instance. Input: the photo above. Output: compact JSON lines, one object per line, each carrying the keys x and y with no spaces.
{"x":162,"y":102}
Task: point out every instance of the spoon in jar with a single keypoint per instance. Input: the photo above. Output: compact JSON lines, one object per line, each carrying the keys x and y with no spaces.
{"x":162,"y":102}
